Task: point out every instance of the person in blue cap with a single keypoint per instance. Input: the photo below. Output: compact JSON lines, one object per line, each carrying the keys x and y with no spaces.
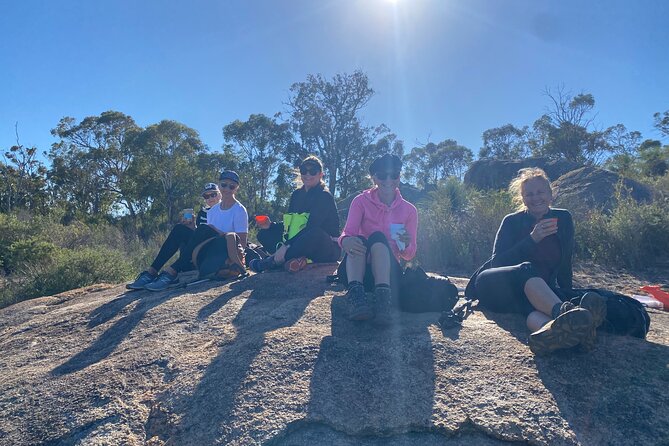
{"x":229,"y":215}
{"x":178,"y":238}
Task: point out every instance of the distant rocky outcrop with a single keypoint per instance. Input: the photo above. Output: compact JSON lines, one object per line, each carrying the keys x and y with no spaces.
{"x":490,"y":174}
{"x":593,"y":188}
{"x":272,"y":359}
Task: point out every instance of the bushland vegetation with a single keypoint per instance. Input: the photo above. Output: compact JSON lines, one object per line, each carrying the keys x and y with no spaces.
{"x":96,"y":206}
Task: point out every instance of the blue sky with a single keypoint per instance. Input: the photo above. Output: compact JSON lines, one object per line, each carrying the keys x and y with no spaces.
{"x":440,"y":68}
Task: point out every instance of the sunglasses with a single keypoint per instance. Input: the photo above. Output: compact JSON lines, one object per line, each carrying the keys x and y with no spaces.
{"x":306,"y":171}
{"x":385,"y":175}
{"x":231,"y":186}
{"x":209,"y":195}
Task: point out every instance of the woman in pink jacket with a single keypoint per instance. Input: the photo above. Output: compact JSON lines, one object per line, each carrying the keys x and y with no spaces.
{"x":380,"y":229}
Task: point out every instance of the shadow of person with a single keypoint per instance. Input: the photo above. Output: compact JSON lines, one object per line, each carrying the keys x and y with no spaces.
{"x":513,"y":323}
{"x":110,"y":309}
{"x":371,"y":379}
{"x":611,"y":395}
{"x":114,"y":335}
{"x":262,"y":326}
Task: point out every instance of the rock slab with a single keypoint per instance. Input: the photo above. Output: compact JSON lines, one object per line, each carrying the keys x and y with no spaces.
{"x":272,"y":359}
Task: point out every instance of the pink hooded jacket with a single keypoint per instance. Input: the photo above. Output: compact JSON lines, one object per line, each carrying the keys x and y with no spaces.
{"x":368,"y":214}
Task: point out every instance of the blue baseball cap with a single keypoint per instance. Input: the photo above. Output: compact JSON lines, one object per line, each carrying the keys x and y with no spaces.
{"x":229,"y":175}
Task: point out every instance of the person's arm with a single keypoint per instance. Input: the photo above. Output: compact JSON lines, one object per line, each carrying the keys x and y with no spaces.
{"x":354,"y":220}
{"x":565,"y":273}
{"x":506,"y":251}
{"x":411,"y":227}
{"x":240,"y":224}
{"x":243,"y":238}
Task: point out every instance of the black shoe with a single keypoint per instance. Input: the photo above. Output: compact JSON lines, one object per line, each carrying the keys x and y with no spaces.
{"x":359,"y":308}
{"x":260,"y":265}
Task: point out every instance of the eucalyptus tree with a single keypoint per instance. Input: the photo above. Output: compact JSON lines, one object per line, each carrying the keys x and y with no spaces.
{"x":167,"y":169}
{"x":324,"y":116}
{"x":261,"y":144}
{"x":90,"y":163}
{"x":432,"y":163}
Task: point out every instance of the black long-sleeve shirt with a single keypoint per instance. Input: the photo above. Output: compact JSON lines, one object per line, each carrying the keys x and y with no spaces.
{"x":320,"y":205}
{"x":513,"y":245}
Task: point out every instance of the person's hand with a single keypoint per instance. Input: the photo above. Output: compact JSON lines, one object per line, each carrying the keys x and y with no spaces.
{"x":189,"y":223}
{"x":280,"y":254}
{"x":404,"y":238}
{"x":543,"y":229}
{"x":353,"y":246}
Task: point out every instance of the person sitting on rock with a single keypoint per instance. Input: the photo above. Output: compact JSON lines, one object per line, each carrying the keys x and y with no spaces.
{"x":229,"y":215}
{"x":310,"y":227}
{"x":531,"y":266}
{"x":178,"y":237}
{"x":380,"y":230}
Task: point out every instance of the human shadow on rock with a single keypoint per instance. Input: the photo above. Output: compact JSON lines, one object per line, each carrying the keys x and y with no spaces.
{"x":374,"y":380}
{"x":612,"y":394}
{"x":114,"y":335}
{"x":276,"y":301}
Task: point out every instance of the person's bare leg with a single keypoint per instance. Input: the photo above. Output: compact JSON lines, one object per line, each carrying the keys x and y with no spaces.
{"x":380,"y":263}
{"x":543,"y":299}
{"x":355,"y":268}
{"x":536,"y":320}
{"x":152,"y":271}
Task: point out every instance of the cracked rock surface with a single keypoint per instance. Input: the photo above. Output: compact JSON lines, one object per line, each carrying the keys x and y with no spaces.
{"x":272,"y":359}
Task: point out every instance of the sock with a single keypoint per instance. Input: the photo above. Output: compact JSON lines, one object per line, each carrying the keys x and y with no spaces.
{"x":382,"y":285}
{"x":353,"y":284}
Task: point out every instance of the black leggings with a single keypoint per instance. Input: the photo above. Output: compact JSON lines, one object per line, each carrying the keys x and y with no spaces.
{"x":502,"y":289}
{"x":271,"y":237}
{"x":368,"y":280}
{"x":201,"y":233}
{"x":175,"y":241}
{"x":314,"y":244}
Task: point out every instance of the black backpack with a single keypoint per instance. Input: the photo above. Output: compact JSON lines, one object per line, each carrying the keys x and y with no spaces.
{"x":624,"y":315}
{"x":420,"y":293}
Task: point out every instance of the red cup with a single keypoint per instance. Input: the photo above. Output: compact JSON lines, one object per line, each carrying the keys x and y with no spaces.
{"x":262,"y":219}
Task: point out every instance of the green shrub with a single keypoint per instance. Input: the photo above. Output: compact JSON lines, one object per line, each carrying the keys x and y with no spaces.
{"x":459,"y":237}
{"x":70,"y":269}
{"x":633,"y":235}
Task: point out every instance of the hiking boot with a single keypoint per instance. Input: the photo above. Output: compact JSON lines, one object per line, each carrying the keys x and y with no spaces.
{"x":163,"y":282}
{"x":260,"y":265}
{"x":565,"y":331}
{"x":383,"y":305}
{"x":596,"y":305}
{"x":143,"y":279}
{"x":359,"y":308}
{"x":295,"y":265}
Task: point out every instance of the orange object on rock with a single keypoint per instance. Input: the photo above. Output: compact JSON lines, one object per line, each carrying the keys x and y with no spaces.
{"x":657,"y":293}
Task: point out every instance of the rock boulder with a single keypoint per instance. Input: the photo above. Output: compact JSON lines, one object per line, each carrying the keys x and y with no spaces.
{"x":489,"y":174}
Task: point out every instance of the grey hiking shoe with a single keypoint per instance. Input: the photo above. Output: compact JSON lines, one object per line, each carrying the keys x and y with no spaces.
{"x":383,"y":305}
{"x":596,"y":305}
{"x":565,"y":331}
{"x":359,"y":308}
{"x":163,"y":282}
{"x":143,"y":279}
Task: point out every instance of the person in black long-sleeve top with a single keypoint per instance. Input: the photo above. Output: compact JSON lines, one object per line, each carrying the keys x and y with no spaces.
{"x":317,"y":241}
{"x":530,"y":271}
